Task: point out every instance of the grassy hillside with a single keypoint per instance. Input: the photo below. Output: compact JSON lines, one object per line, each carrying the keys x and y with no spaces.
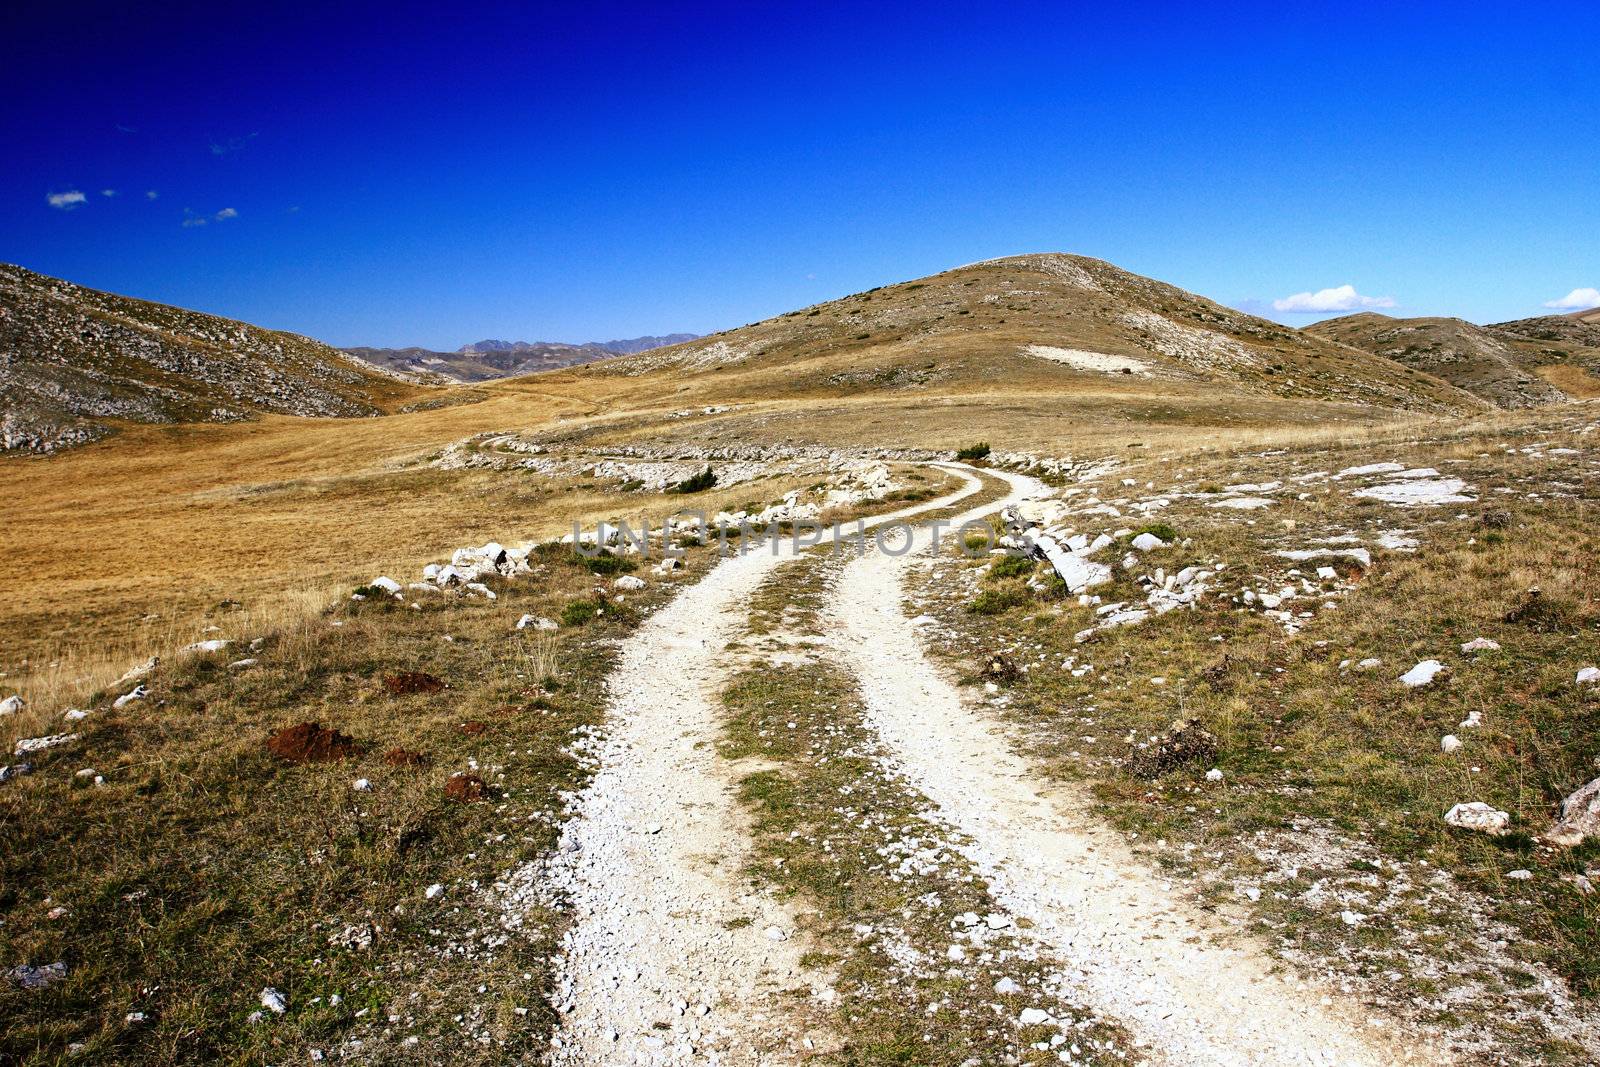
{"x":1474,"y":358}
{"x":75,"y":362}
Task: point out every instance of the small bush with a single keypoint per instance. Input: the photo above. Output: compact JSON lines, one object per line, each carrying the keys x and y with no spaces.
{"x":606,"y":563}
{"x":1010,"y":567}
{"x":976,"y":542}
{"x":973,"y":452}
{"x":579,"y":612}
{"x":1162,"y":530}
{"x":996,"y":601}
{"x":631,"y":485}
{"x":697,"y":483}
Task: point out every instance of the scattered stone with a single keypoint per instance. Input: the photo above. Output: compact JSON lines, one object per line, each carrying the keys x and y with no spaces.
{"x":1481,"y":644}
{"x":1589,"y":676}
{"x":628,"y":583}
{"x":310,"y":742}
{"x":385,"y":583}
{"x":1006,"y":987}
{"x":538,"y":622}
{"x":38,"y":977}
{"x":15,"y":770}
{"x":361,"y":785}
{"x":1520,"y":875}
{"x":1423,"y":674}
{"x":273,"y":1001}
{"x":1148,"y":542}
{"x":1473,"y":720}
{"x":206,"y":647}
{"x":139,"y":693}
{"x":11,"y":705}
{"x":773,"y":933}
{"x":1214,"y":774}
{"x":1449,"y":743}
{"x":1033,"y":1017}
{"x":465,"y":788}
{"x":434,"y":891}
{"x":1476,"y":815}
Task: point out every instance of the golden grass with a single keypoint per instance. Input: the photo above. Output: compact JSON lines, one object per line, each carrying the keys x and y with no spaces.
{"x":1571,"y":379}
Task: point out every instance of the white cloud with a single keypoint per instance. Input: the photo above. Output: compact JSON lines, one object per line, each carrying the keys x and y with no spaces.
{"x":190,"y":219}
{"x":151,"y":194}
{"x":66,"y":201}
{"x":1577,"y":300}
{"x":226,"y":213}
{"x":1343,"y":298}
{"x":108,"y":192}
{"x":194,"y":220}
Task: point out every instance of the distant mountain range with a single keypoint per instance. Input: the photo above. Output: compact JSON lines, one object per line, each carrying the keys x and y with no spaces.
{"x":487,"y":360}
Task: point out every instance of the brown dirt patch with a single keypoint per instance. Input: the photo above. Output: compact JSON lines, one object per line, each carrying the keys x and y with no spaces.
{"x":402,"y":757}
{"x":465,"y":788}
{"x":474,"y":728}
{"x":311,"y":742}
{"x":408,"y":682}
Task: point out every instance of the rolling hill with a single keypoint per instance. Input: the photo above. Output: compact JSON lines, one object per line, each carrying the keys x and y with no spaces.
{"x":1475,"y":358}
{"x":75,"y":361}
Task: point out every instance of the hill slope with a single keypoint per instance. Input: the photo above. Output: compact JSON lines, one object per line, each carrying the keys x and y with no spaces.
{"x":1475,"y":358}
{"x":1072,"y":321}
{"x":74,"y":360}
{"x":1562,"y":349}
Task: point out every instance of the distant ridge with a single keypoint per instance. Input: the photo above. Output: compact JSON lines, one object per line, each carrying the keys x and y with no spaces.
{"x":487,"y":360}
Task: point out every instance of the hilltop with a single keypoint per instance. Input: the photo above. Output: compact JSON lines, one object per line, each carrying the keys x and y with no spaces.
{"x":1065,"y":320}
{"x":75,"y":361}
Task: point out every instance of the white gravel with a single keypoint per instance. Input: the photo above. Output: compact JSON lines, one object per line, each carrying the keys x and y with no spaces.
{"x":672,"y":956}
{"x":1131,"y":947}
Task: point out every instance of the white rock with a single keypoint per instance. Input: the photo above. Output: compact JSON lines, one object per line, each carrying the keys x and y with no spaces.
{"x":628,"y":583}
{"x":1481,"y":644}
{"x":433,"y":891}
{"x":1520,"y":874}
{"x":1214,"y":774}
{"x":538,"y":622}
{"x":39,"y":744}
{"x":387,"y":584}
{"x":996,"y":921}
{"x":1476,"y":815}
{"x":1589,"y":676}
{"x":1327,"y":574}
{"x":1473,"y":720}
{"x":775,"y":934}
{"x":361,"y":785}
{"x":241,"y":664}
{"x":1580,"y":817}
{"x":1007,"y":986}
{"x":273,"y":1001}
{"x":11,"y":705}
{"x":1352,"y":918}
{"x":955,"y":954}
{"x":1148,"y":542}
{"x":1450,"y":742}
{"x":216,"y":645}
{"x":1422,"y":674}
{"x":1033,"y":1017}
{"x":139,"y":693}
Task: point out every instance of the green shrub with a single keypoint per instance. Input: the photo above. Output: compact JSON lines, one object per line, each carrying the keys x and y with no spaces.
{"x":606,"y":563}
{"x":996,"y":601}
{"x":697,"y":483}
{"x":631,"y":485}
{"x":1010,"y":567}
{"x":579,"y":612}
{"x":973,"y":452}
{"x":1162,"y":530}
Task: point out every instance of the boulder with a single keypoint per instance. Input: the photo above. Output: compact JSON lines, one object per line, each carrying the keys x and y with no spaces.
{"x":1580,"y":817}
{"x":1481,"y":644}
{"x":1423,"y":674}
{"x":1476,"y":815}
{"x":628,"y":583}
{"x":1148,"y":542}
{"x":1589,"y":676}
{"x":537,"y":622}
{"x":387,"y":584}
{"x":139,"y":693}
{"x":11,"y":705}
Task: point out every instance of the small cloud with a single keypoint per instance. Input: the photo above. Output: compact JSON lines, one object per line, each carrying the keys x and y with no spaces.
{"x":232,"y":144}
{"x":108,"y":193}
{"x":1343,"y":298}
{"x":66,"y":201}
{"x":811,"y":277}
{"x":1577,"y":300}
{"x":190,"y":219}
{"x":292,"y":209}
{"x":151,"y":194}
{"x":126,"y":129}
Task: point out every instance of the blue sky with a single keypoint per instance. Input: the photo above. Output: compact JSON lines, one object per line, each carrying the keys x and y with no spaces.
{"x":393,"y":175}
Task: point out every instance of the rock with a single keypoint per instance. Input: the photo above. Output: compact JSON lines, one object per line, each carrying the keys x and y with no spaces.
{"x":241,"y":664}
{"x":955,"y":954}
{"x":1476,"y":815}
{"x":15,"y":771}
{"x":139,"y":693}
{"x":773,"y":933}
{"x":29,"y":745}
{"x":1580,"y":817}
{"x":628,"y":583}
{"x":141,"y":670}
{"x":479,"y":589}
{"x":273,"y":1001}
{"x":361,"y":785}
{"x":387,"y":584}
{"x":1589,"y":676}
{"x":433,"y":891}
{"x":1327,"y":574}
{"x":1473,"y":720}
{"x":1006,"y":986}
{"x":1148,"y":542}
{"x":201,"y":647}
{"x":996,"y":921}
{"x":1423,"y":674}
{"x":38,"y":977}
{"x":538,"y":622}
{"x":1033,"y":1017}
{"x":1481,"y":644}
{"x":1352,"y":918}
{"x":1449,"y":743}
{"x":1214,"y":774}
{"x":1520,"y":875}
{"x":11,"y":705}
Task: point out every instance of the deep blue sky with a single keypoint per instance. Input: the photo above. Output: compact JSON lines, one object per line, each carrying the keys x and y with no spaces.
{"x":409,"y":176}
